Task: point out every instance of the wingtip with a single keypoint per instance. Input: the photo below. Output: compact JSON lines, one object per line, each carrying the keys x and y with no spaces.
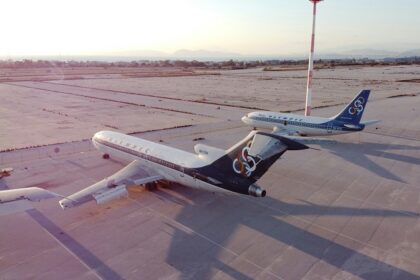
{"x":31,"y":194}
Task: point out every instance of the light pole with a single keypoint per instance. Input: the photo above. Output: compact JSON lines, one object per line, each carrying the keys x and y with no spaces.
{"x":311,"y":63}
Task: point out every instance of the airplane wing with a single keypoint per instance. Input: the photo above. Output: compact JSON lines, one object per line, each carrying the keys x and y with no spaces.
{"x":111,"y":187}
{"x":284,"y":132}
{"x":18,"y":200}
{"x":103,"y":191}
{"x":31,"y":194}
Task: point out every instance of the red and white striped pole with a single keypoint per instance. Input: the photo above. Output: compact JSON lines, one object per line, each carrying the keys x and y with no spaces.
{"x":311,"y":63}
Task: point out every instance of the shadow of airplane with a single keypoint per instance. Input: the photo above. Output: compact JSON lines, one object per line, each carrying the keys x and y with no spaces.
{"x":357,"y":153}
{"x":76,"y":248}
{"x":200,"y":253}
{"x":211,"y":220}
{"x":88,"y":258}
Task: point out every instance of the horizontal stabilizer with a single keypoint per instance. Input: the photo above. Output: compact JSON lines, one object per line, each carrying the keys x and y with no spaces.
{"x":370,"y":122}
{"x":291,"y":144}
{"x":353,"y":126}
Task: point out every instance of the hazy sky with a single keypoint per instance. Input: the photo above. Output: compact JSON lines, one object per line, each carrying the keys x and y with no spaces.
{"x":264,"y":27}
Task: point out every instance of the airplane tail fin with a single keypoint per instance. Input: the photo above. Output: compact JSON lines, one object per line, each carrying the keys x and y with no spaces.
{"x":250,"y":158}
{"x":352,"y":113}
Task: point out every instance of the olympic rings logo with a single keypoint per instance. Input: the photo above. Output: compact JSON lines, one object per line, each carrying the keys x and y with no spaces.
{"x":245,"y":164}
{"x":357,"y":106}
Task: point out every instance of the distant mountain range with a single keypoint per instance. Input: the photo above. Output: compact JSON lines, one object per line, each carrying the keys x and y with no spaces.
{"x":179,"y":54}
{"x":370,"y":53}
{"x":219,"y":55}
{"x":206,"y":55}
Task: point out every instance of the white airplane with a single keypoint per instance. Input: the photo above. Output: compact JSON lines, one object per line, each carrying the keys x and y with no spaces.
{"x":348,"y":120}
{"x":234,"y":170}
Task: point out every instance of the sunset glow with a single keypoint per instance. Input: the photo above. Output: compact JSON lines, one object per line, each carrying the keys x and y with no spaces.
{"x":48,"y":27}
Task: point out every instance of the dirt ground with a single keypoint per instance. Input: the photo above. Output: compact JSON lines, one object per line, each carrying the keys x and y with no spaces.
{"x":349,"y":208}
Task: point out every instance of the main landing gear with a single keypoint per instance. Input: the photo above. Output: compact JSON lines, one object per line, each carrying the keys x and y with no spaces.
{"x":150,"y":186}
{"x":105,"y":156}
{"x":154,"y":185}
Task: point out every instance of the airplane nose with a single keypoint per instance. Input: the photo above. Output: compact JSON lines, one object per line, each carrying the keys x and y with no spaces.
{"x":245,"y":119}
{"x":94,"y":138}
{"x":97,"y":135}
{"x":94,"y":142}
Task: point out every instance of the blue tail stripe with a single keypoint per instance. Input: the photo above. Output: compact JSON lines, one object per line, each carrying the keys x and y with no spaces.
{"x":353,"y":112}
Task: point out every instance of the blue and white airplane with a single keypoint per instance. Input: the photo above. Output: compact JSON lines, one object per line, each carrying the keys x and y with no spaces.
{"x":348,"y":120}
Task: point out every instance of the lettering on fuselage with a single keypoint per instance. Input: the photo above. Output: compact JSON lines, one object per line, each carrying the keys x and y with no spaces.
{"x":295,"y":122}
{"x":127,"y":148}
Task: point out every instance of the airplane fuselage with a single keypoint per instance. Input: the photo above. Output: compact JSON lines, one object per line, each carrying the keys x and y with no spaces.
{"x":293,"y":124}
{"x":173,"y":164}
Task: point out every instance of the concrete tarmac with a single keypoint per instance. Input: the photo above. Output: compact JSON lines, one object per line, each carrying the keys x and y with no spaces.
{"x":349,"y":209}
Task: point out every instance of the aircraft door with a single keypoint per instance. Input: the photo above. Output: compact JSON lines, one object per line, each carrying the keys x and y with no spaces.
{"x":181,"y":175}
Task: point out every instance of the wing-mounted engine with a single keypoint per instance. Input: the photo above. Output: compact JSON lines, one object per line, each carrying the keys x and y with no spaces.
{"x":208,"y":153}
